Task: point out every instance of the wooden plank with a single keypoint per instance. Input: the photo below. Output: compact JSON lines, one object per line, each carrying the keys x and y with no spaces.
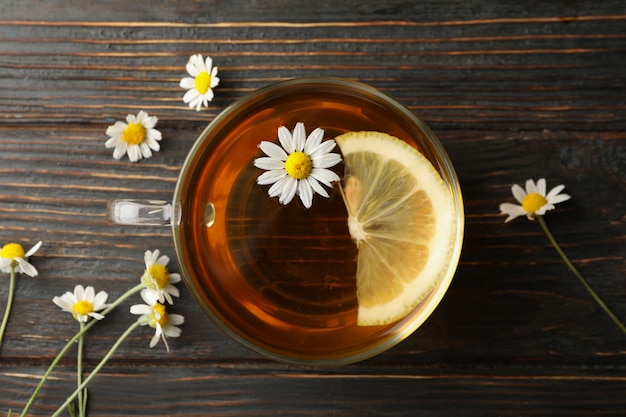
{"x":231,"y":390}
{"x":532,"y":73}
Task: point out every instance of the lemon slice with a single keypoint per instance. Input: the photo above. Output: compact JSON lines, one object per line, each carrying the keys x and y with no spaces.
{"x":402,"y":217}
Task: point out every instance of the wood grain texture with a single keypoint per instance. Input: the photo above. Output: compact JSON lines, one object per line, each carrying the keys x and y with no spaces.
{"x":514,"y":90}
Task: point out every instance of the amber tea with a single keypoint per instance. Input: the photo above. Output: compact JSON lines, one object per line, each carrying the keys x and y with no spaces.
{"x":281,"y":278}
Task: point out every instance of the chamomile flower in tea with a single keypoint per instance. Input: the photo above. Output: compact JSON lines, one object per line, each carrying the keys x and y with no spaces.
{"x":299,"y":167}
{"x":201,"y":83}
{"x":137,"y":137}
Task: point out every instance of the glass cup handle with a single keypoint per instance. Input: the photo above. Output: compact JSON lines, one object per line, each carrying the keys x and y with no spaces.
{"x":140,"y":212}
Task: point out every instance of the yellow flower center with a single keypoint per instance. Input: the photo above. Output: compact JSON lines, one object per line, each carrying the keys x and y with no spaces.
{"x":134,"y":134}
{"x":160,"y":314}
{"x":299,"y":165}
{"x":160,"y":275}
{"x":203,"y":82}
{"x":83,"y":307}
{"x":12,"y":251}
{"x":533,"y":202}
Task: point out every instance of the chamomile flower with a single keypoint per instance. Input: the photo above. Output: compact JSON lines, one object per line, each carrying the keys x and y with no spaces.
{"x":13,"y":255}
{"x":157,"y":279}
{"x":155,"y":315}
{"x":83,"y":303}
{"x":534,"y":200}
{"x":201,"y":83}
{"x":137,"y":137}
{"x":299,"y":167}
{"x":534,"y":204}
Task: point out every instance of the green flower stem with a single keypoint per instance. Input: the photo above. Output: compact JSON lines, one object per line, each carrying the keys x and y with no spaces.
{"x":97,"y":368}
{"x":70,"y":343}
{"x":79,"y":372}
{"x":7,"y":311}
{"x":579,"y":276}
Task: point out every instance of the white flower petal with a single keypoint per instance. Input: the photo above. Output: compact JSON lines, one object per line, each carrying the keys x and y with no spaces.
{"x":215,"y":80}
{"x":196,"y":102}
{"x":270,"y":177}
{"x":316,"y":186}
{"x":63,"y":302}
{"x":541,"y":187}
{"x":208,"y":63}
{"x":553,"y":192}
{"x":175,"y":278}
{"x":323,"y":148}
{"x":79,"y":292}
{"x":26,"y":268}
{"x":141,"y":117}
{"x":542,"y":210}
{"x":145,"y":150}
{"x":149,"y":121}
{"x":191,"y":96}
{"x":116,"y":129}
{"x":518,"y":193}
{"x":171,"y":331}
{"x":208,"y":96}
{"x":34,"y":249}
{"x":530,"y":187}
{"x":512,"y":210}
{"x":326,"y":161}
{"x":195,"y":65}
{"x":187,"y":83}
{"x":120,"y":150}
{"x":163,"y":260}
{"x":286,"y":140}
{"x":312,"y":142}
{"x":89,"y":294}
{"x":279,"y":186}
{"x":99,"y":301}
{"x":153,"y":144}
{"x":559,"y":198}
{"x":273,"y":151}
{"x":155,"y":339}
{"x":5,"y":263}
{"x":305,"y":193}
{"x":111,"y":143}
{"x":299,"y":137}
{"x":141,"y":309}
{"x":269,"y":163}
{"x":324,"y":176}
{"x":133,"y":153}
{"x":150,"y":257}
{"x":289,"y":191}
{"x":172,"y":290}
{"x":96,"y":316}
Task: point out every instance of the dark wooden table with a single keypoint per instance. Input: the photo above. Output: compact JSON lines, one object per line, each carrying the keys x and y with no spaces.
{"x":514,"y":90}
